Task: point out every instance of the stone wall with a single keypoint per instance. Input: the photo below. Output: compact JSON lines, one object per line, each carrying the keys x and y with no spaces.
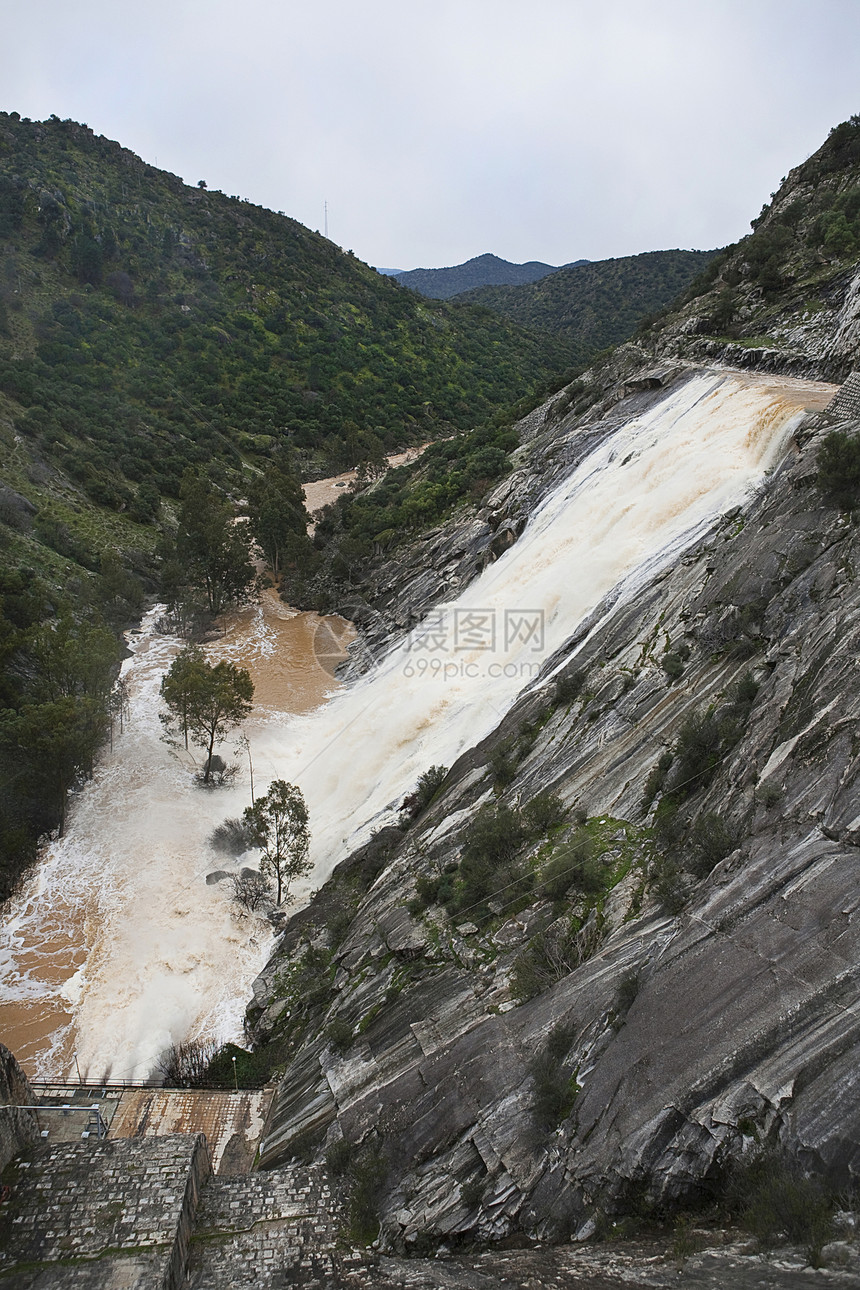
{"x":268,"y":1230}
{"x":114,"y":1213}
{"x":846,"y":402}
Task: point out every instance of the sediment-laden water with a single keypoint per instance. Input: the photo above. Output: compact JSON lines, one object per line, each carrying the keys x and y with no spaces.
{"x":119,"y":948}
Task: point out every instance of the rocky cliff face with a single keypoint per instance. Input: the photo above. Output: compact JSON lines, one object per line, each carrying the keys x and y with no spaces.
{"x":18,"y":1128}
{"x":620,"y":943}
{"x":787,"y":297}
{"x":526,"y":1062}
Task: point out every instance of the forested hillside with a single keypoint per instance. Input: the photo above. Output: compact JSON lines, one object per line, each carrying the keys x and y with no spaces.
{"x":599,"y":304}
{"x":146,"y":325}
{"x":162,"y":344}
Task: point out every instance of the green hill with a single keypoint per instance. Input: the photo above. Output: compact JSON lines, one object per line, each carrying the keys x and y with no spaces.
{"x":146,"y":325}
{"x":599,"y":304}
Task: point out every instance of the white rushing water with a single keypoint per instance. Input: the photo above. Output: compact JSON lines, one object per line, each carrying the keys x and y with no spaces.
{"x":166,"y":955}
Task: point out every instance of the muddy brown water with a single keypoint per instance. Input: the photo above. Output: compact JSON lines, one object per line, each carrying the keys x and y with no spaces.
{"x":54,"y":934}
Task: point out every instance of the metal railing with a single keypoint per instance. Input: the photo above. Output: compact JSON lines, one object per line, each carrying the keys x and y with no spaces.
{"x":111,"y":1085}
{"x":104,"y":1084}
{"x":95,"y":1121}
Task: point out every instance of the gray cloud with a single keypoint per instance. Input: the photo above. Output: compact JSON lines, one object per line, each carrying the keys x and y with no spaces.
{"x":439,"y":130}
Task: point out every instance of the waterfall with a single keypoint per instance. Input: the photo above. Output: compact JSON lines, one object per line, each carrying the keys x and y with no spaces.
{"x":165,"y":955}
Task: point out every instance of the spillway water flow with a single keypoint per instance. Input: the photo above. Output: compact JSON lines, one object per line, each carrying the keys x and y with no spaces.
{"x":165,"y":954}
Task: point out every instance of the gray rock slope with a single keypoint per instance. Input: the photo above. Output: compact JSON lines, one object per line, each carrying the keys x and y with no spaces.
{"x":531,"y":1058}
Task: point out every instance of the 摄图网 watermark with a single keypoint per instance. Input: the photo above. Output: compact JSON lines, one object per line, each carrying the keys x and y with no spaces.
{"x":450,"y":643}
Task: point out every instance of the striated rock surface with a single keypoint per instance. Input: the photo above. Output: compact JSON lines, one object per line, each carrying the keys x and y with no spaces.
{"x":619,"y":948}
{"x":705,"y":999}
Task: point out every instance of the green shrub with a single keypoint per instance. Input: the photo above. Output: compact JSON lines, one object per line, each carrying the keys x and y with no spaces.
{"x":667,"y":883}
{"x":338,"y":1157}
{"x":489,"y":864}
{"x":368,"y":1172}
{"x":573,"y":865}
{"x":553,"y":954}
{"x":776,"y":1201}
{"x":722,"y":311}
{"x":252,"y":1070}
{"x":569,"y":687}
{"x":426,"y":789}
{"x":743,"y":693}
{"x":427,"y":890}
{"x":339,"y":1034}
{"x":429,"y":784}
{"x":544,"y":812}
{"x":437,"y":889}
{"x":839,"y":469}
{"x":339,"y":922}
{"x":232,"y":837}
{"x":472,"y":1192}
{"x":672,"y":664}
{"x":697,"y":754}
{"x":768,"y":794}
{"x":503,"y":765}
{"x":656,"y":779}
{"x":711,"y":840}
{"x":554,"y":1089}
{"x":685,"y":1240}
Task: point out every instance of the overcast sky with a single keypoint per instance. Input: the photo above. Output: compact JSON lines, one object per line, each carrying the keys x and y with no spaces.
{"x":440,"y":129}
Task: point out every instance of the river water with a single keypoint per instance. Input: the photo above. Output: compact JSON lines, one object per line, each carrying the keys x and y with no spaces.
{"x":118,"y":947}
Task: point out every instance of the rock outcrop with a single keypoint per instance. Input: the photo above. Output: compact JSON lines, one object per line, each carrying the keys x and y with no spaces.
{"x":18,"y":1128}
{"x":656,"y":969}
{"x":710,"y":997}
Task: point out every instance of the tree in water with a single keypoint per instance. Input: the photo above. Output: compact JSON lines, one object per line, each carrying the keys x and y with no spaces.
{"x":278,"y":824}
{"x":205,"y":701}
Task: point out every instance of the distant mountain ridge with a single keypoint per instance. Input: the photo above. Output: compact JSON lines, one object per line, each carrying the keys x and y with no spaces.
{"x":481,"y":271}
{"x":596,"y":303}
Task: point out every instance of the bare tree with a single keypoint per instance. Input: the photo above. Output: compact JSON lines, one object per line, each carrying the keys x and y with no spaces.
{"x":250,"y":890}
{"x":186,"y":1065}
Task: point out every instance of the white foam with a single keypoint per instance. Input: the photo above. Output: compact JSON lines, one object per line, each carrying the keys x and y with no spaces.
{"x":166,"y":956}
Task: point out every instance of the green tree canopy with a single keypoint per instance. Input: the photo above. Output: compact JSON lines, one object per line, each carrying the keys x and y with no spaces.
{"x":54,"y":746}
{"x":205,"y":701}
{"x":211,"y":545}
{"x":279,"y":521}
{"x":278,"y":824}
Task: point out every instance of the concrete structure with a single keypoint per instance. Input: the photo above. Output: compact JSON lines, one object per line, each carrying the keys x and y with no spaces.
{"x":846,"y":401}
{"x":114,"y":1215}
{"x":18,"y":1128}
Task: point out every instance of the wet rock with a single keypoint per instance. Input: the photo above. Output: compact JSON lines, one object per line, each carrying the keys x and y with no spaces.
{"x":694,"y":1023}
